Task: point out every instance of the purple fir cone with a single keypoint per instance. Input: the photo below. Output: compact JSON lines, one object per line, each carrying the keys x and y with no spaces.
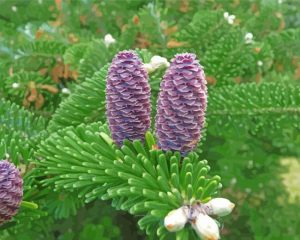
{"x":181,"y":104}
{"x":11,"y":191}
{"x":127,"y":98}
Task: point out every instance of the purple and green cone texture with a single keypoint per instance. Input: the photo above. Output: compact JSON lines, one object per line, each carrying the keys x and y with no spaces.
{"x":11,"y":190}
{"x":127,"y":98}
{"x":181,"y":105}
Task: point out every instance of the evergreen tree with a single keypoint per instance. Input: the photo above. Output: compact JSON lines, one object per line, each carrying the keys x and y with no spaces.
{"x":83,"y":179}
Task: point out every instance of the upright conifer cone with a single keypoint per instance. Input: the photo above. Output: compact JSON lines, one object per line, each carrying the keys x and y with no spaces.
{"x":127,"y":98}
{"x":181,"y":104}
{"x":11,"y":191}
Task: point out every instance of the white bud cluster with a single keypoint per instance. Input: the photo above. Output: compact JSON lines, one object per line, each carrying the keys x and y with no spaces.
{"x":260,"y":63}
{"x":15,"y":85}
{"x":156,"y":62}
{"x":248,"y":38}
{"x":229,"y":18}
{"x":66,"y":91}
{"x":108,"y":40}
{"x":198,"y":215}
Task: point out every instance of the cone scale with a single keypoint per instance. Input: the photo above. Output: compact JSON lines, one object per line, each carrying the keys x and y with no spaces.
{"x":181,"y":105}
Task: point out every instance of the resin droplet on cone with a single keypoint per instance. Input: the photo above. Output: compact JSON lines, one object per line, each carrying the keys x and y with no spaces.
{"x":181,"y":105}
{"x":127,"y":98}
{"x":11,"y":190}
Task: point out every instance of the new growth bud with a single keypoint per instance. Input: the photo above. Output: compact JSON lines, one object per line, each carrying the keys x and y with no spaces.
{"x":206,"y":227}
{"x":219,"y":206}
{"x":15,"y":85}
{"x":176,"y":219}
{"x":108,"y":40}
{"x":156,"y":62}
{"x":148,"y":67}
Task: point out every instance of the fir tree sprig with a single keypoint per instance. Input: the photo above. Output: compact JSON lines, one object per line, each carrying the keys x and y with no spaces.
{"x":137,"y":177}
